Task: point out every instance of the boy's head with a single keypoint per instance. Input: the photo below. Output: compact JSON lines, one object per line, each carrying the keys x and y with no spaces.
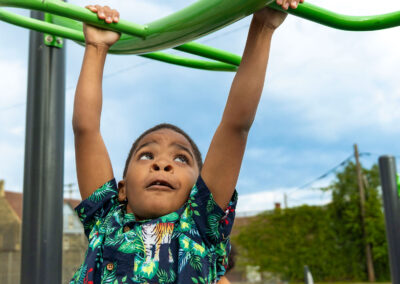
{"x":162,"y":166}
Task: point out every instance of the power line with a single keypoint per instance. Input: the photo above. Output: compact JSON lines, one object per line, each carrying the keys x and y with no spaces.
{"x":324,"y":175}
{"x":375,"y":154}
{"x":171,"y":52}
{"x":12,"y":106}
{"x":224,"y":34}
{"x":123,"y":70}
{"x":334,"y":169}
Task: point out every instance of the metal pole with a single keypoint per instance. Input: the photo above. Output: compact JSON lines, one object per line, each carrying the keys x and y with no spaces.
{"x":42,"y":221}
{"x":391,"y":202}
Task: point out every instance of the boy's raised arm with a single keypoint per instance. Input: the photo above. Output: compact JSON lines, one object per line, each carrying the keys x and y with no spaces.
{"x":222,"y":164}
{"x":93,"y":164}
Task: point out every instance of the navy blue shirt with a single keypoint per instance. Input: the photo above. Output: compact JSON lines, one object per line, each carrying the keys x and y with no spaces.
{"x":190,"y":245}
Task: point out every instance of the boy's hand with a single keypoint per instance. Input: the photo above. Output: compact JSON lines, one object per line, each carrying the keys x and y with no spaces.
{"x":272,"y":18}
{"x":99,"y":37}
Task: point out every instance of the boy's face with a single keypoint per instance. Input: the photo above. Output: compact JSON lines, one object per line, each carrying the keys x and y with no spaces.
{"x":160,"y":175}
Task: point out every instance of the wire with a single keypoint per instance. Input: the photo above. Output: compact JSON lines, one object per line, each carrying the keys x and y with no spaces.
{"x":12,"y":106}
{"x":375,"y":154}
{"x":225,"y":33}
{"x":334,"y":169}
{"x":136,"y":65}
{"x":324,"y":175}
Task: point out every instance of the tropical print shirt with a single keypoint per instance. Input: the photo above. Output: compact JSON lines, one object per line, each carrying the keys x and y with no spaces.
{"x":190,"y":245}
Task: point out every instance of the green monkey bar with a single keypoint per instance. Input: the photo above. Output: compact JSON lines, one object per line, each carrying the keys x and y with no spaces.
{"x":180,"y":28}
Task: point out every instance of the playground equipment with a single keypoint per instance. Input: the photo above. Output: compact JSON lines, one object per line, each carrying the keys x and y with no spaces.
{"x":391,"y":202}
{"x":177,"y":30}
{"x":44,"y":147}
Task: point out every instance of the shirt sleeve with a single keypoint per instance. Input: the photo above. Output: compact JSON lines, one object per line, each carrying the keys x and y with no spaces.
{"x":97,"y":205}
{"x":214,"y":224}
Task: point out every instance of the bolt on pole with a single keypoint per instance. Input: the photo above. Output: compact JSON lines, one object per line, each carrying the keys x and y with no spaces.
{"x":391,"y":202}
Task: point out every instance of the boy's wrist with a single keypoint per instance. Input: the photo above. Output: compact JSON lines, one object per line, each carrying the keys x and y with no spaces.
{"x":99,"y":47}
{"x":263,"y":27}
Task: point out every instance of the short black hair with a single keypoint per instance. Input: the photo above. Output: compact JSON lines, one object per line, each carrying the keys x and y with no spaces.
{"x":196,"y":151}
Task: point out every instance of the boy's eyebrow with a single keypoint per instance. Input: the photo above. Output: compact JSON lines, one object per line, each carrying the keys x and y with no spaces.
{"x":180,"y":146}
{"x":144,"y":145}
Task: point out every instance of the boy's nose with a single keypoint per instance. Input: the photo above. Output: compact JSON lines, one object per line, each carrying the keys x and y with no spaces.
{"x":158,"y":166}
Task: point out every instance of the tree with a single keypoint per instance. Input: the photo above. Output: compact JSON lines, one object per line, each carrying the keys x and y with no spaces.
{"x":326,"y":238}
{"x":345,"y":211}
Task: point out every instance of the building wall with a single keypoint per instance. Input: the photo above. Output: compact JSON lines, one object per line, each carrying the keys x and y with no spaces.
{"x":10,"y":267}
{"x":74,"y":240}
{"x":74,"y":249}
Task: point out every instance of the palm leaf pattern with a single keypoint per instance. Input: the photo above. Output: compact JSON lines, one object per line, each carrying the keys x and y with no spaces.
{"x":184,"y":256}
{"x":195,"y":262}
{"x":110,"y":277}
{"x":213,"y":225}
{"x":210,"y":205}
{"x":103,"y":191}
{"x":165,"y":277}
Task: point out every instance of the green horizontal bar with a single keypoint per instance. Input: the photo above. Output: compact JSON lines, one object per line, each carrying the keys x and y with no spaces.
{"x":74,"y":12}
{"x":343,"y":22}
{"x":41,"y":26}
{"x":188,"y":62}
{"x":209,"y":52}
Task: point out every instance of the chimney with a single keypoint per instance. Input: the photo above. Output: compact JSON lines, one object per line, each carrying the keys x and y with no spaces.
{"x":2,"y":188}
{"x":277,"y":206}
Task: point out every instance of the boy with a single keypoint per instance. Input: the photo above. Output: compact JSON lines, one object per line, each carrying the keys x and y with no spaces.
{"x":169,"y":219}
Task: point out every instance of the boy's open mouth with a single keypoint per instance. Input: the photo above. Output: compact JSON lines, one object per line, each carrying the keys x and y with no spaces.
{"x":160,"y":184}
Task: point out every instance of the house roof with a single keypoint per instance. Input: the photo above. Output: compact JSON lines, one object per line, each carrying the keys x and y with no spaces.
{"x":16,"y":203}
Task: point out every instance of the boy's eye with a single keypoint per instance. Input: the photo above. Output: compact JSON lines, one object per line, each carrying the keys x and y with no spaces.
{"x":182,"y":159}
{"x":146,"y":156}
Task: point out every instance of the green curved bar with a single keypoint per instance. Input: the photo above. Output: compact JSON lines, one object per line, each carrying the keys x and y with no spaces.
{"x":194,"y":48}
{"x":344,"y":22}
{"x":194,"y":21}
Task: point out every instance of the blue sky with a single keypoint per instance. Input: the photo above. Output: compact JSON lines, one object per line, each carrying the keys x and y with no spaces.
{"x":325,"y":90}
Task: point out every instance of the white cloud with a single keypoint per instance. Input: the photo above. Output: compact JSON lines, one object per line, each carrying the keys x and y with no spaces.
{"x":12,"y":162}
{"x":334,"y":81}
{"x":12,"y":81}
{"x":265,"y":200}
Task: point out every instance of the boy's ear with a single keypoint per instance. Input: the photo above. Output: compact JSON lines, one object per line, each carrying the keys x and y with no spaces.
{"x":122,"y":191}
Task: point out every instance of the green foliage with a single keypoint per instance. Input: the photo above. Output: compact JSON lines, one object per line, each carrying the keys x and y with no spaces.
{"x":326,"y":238}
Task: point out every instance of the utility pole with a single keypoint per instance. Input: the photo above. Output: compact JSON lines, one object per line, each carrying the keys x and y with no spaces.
{"x":70,"y":189}
{"x":368,"y":251}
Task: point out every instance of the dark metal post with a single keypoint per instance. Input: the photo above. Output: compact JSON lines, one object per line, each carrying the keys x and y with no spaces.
{"x":44,"y":163}
{"x":391,"y":201}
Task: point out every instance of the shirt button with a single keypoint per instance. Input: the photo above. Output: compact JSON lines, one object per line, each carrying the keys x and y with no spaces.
{"x":110,"y":266}
{"x":126,"y":229}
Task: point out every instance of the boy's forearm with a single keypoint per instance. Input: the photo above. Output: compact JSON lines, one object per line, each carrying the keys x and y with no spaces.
{"x":88,"y":97}
{"x":248,"y":83}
